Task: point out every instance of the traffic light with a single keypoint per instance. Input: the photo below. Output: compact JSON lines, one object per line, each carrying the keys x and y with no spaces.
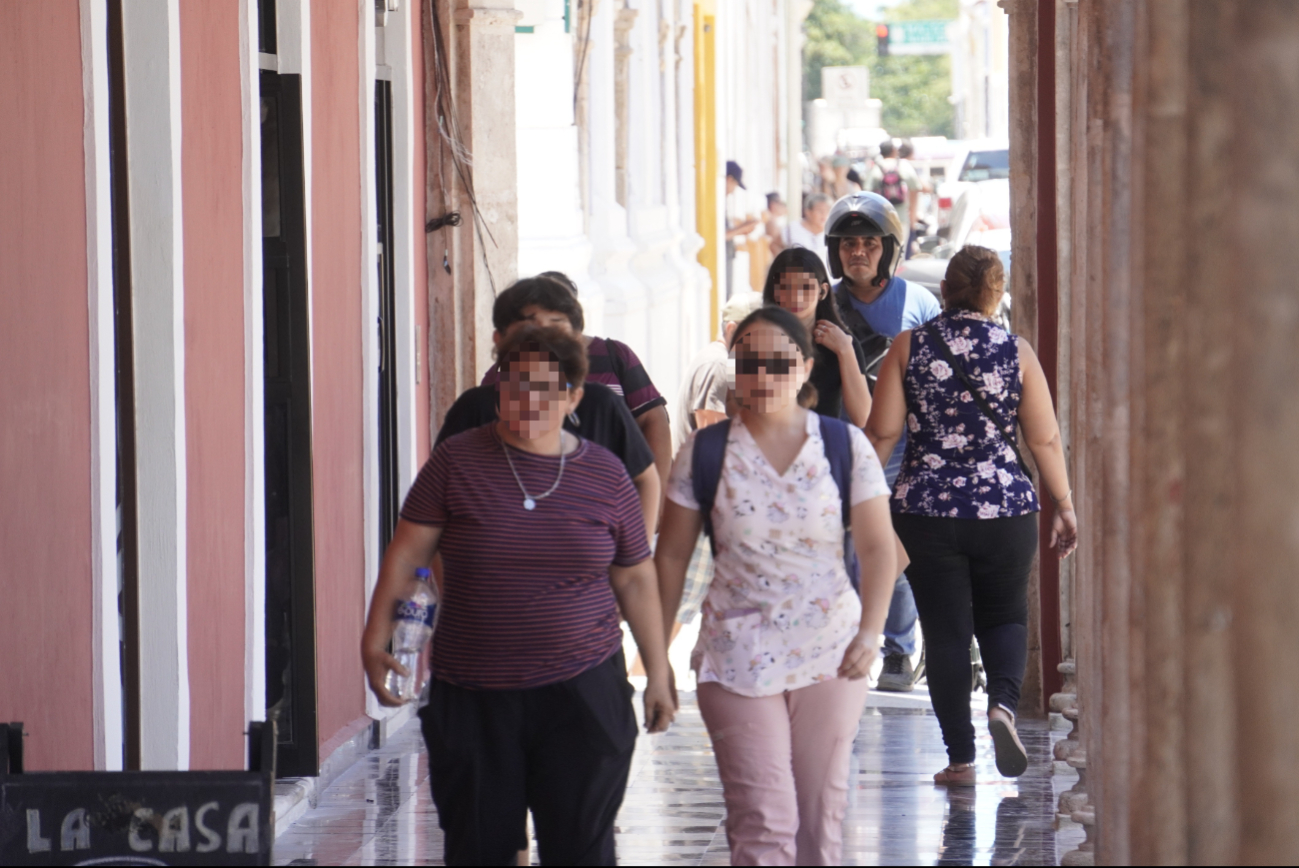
{"x":882,"y":40}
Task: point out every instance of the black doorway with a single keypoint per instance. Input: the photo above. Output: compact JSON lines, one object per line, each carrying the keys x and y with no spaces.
{"x":128,"y":554}
{"x":388,"y":449}
{"x":290,"y":572}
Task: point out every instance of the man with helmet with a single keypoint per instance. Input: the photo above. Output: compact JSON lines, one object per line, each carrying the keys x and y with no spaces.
{"x":864,"y":240}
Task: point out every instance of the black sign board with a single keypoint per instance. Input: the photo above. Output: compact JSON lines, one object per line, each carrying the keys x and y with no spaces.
{"x":136,"y":818}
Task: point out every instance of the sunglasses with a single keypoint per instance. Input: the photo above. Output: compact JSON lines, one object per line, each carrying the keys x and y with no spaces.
{"x":777,"y":366}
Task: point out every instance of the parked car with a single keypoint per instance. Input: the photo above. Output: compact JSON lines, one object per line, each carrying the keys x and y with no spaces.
{"x":982,"y":217}
{"x":982,"y":206}
{"x":982,"y":160}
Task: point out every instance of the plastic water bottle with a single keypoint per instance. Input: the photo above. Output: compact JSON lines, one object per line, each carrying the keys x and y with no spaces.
{"x":413,"y":620}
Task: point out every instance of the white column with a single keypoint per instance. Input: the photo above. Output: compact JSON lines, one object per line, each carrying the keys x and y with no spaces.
{"x":391,"y":60}
{"x":612,"y":250}
{"x":151,"y":50}
{"x":795,"y":13}
{"x":695,"y":302}
{"x":552,"y":235}
{"x":368,"y":282}
{"x":408,"y":231}
{"x":254,"y":384}
{"x":650,"y":222}
{"x":107,"y":677}
{"x":690,"y":319}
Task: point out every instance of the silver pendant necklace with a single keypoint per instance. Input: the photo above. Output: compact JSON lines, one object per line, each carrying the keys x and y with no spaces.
{"x":530,"y":502}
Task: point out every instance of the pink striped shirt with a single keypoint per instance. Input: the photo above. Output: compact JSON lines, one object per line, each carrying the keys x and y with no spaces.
{"x":526,"y":599}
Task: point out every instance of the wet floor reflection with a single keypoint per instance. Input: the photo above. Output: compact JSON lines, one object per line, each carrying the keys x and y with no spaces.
{"x":380,"y":811}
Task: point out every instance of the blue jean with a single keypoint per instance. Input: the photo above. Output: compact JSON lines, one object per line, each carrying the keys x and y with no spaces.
{"x":900,"y":626}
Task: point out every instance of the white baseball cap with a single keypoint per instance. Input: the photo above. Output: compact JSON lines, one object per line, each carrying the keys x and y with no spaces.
{"x":741,"y":305}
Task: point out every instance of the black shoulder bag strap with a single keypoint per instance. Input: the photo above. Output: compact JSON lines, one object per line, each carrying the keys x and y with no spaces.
{"x":946,"y":352}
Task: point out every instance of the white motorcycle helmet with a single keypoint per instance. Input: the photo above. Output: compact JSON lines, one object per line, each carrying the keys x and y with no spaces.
{"x":865,"y":215}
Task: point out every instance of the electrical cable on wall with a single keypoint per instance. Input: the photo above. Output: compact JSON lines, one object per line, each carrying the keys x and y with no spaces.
{"x":449,"y":135}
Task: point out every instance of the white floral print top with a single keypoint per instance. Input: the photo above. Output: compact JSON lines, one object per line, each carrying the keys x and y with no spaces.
{"x":957,"y":465}
{"x":780,"y":611}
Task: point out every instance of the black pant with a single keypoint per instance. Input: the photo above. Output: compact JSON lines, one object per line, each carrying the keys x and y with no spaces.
{"x":563,"y":751}
{"x":970,"y":577}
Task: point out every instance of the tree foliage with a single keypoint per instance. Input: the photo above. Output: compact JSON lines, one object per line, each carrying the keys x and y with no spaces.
{"x":913,"y":88}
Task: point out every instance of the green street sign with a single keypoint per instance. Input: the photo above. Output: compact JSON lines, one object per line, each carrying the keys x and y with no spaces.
{"x":919,"y":37}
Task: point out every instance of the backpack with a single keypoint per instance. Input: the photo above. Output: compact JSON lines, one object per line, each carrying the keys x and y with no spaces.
{"x":892,"y":187}
{"x":874,"y":345}
{"x":706,"y":473}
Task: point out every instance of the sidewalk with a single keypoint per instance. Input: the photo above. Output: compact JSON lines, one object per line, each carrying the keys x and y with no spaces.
{"x":380,"y":812}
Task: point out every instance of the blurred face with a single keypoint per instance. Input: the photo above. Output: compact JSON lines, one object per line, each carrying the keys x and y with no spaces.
{"x":533,"y":395}
{"x":860,"y":258}
{"x":731,"y":184}
{"x":777,"y":209}
{"x":798,"y":292}
{"x":817,"y":215}
{"x":769,"y":369}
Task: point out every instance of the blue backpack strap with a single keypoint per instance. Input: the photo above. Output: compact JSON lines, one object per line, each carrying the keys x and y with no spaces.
{"x":838,"y":450}
{"x":706,"y":469}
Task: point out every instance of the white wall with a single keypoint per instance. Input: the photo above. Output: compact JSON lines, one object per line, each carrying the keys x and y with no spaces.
{"x":552,"y":235}
{"x":980,"y":71}
{"x":635,"y":263}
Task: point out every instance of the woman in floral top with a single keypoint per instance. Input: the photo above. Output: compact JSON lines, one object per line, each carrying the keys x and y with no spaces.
{"x":785,"y":644}
{"x":965,"y":509}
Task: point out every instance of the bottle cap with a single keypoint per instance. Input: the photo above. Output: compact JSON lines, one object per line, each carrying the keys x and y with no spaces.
{"x":422,"y":573}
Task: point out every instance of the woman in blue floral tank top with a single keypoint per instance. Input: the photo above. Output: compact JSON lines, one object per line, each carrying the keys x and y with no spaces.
{"x":964,"y":505}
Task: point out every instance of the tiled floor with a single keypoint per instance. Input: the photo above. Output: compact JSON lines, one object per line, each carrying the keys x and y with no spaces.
{"x":380,"y":813}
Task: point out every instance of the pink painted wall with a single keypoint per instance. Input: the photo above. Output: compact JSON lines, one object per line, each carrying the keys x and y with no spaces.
{"x":45,"y":566}
{"x":212,"y":182}
{"x":420,"y":207}
{"x":338,"y":412}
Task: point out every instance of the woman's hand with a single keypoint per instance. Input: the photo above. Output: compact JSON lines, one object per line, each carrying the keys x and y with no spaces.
{"x":1064,"y":531}
{"x":377,"y":662}
{"x":859,"y":656}
{"x":413,"y":546}
{"x":830,"y":336}
{"x":660,"y":705}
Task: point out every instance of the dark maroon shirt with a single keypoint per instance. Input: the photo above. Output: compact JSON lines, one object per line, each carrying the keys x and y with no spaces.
{"x":526,"y":599}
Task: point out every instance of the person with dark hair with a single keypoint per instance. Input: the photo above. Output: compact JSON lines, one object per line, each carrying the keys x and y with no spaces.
{"x":602,"y":416}
{"x":894,"y":178}
{"x":740,"y":222}
{"x":797,"y":282}
{"x":784,"y":644}
{"x":964,"y":504}
{"x":550,"y":298}
{"x":542,"y":545}
{"x":916,"y":187}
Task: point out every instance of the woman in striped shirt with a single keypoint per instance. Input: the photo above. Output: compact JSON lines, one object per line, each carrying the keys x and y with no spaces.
{"x":542,"y":542}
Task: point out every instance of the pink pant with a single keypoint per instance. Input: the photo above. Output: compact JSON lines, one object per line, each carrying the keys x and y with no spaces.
{"x":784,"y":765}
